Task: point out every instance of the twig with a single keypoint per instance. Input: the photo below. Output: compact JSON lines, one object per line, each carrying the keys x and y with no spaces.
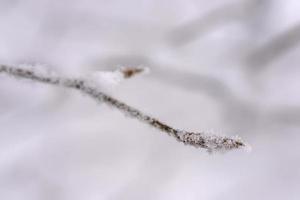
{"x":203,"y":140}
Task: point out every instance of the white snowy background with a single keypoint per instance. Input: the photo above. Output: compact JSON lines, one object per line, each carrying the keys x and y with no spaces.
{"x":214,"y":65}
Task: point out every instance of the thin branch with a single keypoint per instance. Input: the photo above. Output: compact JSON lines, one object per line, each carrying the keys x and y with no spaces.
{"x":241,"y":111}
{"x":203,"y":140}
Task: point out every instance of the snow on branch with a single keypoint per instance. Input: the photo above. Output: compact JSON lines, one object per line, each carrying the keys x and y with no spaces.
{"x":108,"y":79}
{"x":204,"y":140}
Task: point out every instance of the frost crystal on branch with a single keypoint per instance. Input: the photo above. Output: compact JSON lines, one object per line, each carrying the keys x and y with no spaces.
{"x":209,"y":142}
{"x":108,"y":79}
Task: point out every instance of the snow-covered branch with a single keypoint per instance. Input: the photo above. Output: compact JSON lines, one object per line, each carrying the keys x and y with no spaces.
{"x":204,"y":140}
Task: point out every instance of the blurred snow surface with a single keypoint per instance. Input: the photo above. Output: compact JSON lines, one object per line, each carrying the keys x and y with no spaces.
{"x":59,"y":144}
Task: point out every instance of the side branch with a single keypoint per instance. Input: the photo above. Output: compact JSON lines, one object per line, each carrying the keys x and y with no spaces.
{"x":209,"y":142}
